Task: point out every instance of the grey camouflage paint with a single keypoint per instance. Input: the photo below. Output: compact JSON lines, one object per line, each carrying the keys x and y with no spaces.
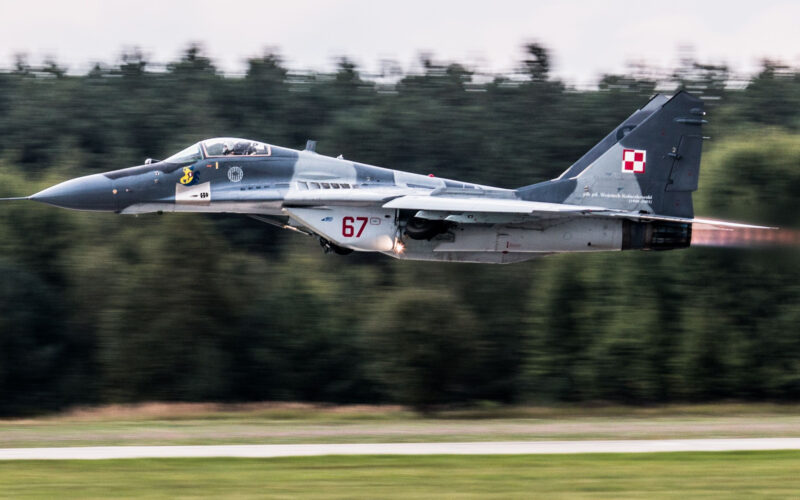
{"x":667,"y":129}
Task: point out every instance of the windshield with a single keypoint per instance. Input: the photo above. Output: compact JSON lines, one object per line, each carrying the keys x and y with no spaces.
{"x":192,"y":153}
{"x":229,"y":146}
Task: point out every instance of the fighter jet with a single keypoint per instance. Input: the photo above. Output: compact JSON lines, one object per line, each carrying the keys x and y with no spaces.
{"x":631,"y":191}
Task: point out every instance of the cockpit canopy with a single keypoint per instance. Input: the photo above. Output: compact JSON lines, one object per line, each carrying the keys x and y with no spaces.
{"x":227,"y":146}
{"x":192,"y":153}
{"x":220,"y":146}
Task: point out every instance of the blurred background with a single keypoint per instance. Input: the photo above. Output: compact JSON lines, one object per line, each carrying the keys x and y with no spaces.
{"x":100,"y":308}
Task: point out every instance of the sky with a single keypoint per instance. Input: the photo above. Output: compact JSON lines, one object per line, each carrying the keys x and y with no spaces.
{"x":586,"y":38}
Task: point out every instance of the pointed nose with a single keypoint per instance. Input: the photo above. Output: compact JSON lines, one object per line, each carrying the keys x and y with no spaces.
{"x":92,"y":192}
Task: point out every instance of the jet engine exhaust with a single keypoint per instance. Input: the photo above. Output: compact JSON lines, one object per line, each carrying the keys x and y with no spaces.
{"x":707,"y":236}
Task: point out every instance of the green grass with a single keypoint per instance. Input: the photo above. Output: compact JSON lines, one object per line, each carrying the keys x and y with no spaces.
{"x":159,"y":423}
{"x":660,"y":475}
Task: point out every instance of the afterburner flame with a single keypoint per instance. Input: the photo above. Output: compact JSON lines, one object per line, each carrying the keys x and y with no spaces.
{"x":708,"y":236}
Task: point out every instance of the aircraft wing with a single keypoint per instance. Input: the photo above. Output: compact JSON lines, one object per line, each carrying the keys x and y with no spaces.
{"x":455,"y":208}
{"x":486,"y":205}
{"x":343,"y":197}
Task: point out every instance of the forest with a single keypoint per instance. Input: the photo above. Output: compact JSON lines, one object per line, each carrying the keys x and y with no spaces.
{"x":102,"y":308}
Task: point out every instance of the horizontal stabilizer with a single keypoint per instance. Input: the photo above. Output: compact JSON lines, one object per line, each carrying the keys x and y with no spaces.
{"x":721,"y":224}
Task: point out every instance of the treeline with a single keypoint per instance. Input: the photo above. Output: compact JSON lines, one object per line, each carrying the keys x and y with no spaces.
{"x":98,"y":308}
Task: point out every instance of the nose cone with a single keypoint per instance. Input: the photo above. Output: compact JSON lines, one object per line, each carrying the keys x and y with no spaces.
{"x":92,"y":192}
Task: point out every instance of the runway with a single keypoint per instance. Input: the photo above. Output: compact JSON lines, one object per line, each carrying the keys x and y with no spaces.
{"x":469,"y":448}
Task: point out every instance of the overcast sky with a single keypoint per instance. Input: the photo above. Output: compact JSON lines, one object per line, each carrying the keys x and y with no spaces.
{"x":586,"y":38}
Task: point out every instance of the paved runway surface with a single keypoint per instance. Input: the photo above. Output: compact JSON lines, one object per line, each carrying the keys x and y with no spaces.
{"x":474,"y":448}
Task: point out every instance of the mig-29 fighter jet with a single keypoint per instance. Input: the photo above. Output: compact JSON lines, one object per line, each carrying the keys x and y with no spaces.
{"x":632,"y":191}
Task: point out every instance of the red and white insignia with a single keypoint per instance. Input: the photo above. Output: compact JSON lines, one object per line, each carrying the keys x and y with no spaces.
{"x":633,"y":160}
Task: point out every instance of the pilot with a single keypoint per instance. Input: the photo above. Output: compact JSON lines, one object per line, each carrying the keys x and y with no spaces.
{"x":237,"y":148}
{"x":240,"y":148}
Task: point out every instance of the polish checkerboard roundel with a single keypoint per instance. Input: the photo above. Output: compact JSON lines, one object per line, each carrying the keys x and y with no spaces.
{"x":633,"y":160}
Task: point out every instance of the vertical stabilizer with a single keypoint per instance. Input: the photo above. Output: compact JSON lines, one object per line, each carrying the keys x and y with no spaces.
{"x":649,"y":164}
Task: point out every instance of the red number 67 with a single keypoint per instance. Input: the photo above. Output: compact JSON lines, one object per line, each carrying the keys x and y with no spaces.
{"x":349,"y":230}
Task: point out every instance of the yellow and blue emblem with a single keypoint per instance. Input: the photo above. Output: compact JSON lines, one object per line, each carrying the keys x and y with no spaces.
{"x":189,"y":176}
